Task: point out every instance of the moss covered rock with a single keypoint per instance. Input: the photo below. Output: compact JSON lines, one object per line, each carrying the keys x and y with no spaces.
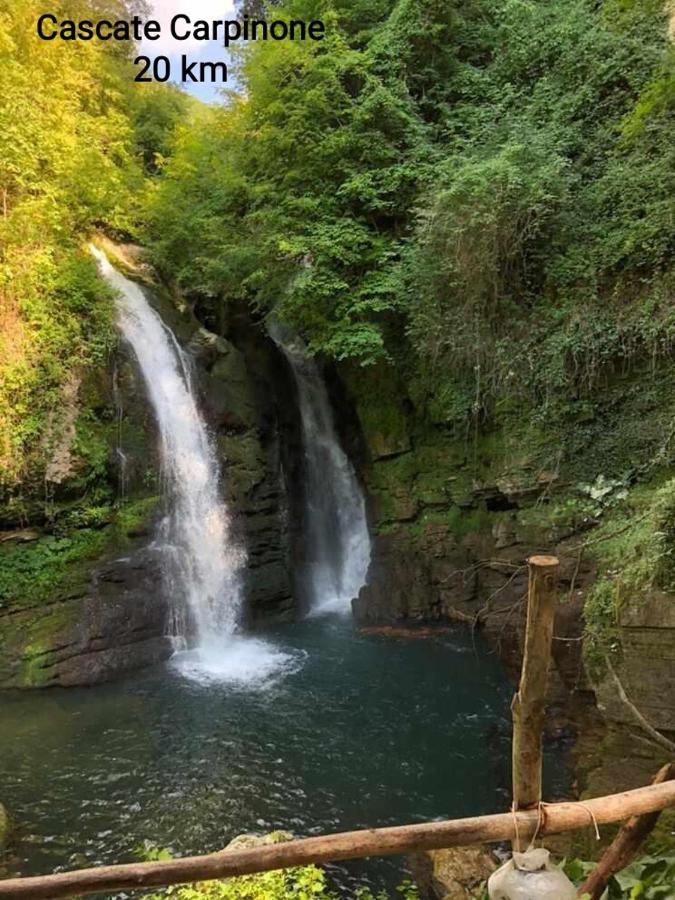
{"x":84,"y":608}
{"x":455,"y":874}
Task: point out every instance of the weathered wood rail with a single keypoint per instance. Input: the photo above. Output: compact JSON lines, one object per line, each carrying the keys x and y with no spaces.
{"x":553,"y":819}
{"x":529,"y":818}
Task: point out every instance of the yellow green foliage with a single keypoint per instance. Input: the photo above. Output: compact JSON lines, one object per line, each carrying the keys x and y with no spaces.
{"x":300,"y":883}
{"x":66,"y":164}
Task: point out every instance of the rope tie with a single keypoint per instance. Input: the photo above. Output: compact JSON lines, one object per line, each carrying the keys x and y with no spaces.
{"x":593,"y":820}
{"x":541,"y":822}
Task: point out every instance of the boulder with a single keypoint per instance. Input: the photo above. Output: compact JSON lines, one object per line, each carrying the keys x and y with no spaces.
{"x":454,"y":874}
{"x":249,"y":841}
{"x":117,"y":624}
{"x":398,"y":584}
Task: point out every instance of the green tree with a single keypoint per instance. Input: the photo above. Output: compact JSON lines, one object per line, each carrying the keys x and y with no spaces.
{"x":66,"y":165}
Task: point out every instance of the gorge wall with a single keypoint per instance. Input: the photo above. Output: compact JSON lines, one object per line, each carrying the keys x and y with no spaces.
{"x":457,"y":515}
{"x":81,"y":594}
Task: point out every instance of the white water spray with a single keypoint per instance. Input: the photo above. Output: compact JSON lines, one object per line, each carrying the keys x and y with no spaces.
{"x":336,"y":526}
{"x":203,"y":564}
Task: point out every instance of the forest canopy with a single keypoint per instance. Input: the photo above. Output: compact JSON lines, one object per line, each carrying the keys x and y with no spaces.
{"x":459,"y":186}
{"x":479,"y":192}
{"x":76,"y":142}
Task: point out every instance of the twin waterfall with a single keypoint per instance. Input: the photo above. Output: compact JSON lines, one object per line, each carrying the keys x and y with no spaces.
{"x":203,"y":564}
{"x":337,"y":541}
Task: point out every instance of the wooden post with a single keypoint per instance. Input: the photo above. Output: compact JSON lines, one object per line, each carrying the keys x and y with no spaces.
{"x":529,"y":704}
{"x":625,"y":846}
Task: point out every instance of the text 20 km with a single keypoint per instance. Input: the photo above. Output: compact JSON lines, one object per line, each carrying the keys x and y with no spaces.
{"x":159,"y":68}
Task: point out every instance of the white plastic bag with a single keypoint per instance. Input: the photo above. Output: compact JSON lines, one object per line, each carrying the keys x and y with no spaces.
{"x":531,"y":876}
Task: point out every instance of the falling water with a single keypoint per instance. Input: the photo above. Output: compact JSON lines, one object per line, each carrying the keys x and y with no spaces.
{"x":203,"y":564}
{"x":336,"y":527}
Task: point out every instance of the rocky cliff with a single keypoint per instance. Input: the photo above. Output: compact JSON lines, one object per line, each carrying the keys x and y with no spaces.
{"x":456,"y":516}
{"x":81,"y":592}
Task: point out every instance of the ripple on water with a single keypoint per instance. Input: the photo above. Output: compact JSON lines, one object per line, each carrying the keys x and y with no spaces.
{"x":312,"y":727}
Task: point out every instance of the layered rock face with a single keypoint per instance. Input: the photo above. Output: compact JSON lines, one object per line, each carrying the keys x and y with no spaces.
{"x":249,"y":401}
{"x":452,"y":547}
{"x":87,"y":604}
{"x":471,"y":568}
{"x":118,"y":623}
{"x":480,"y":579}
{"x":647,"y":633}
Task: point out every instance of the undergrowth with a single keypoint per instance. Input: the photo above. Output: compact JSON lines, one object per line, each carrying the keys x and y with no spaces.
{"x":634,"y":549}
{"x":57,"y":564}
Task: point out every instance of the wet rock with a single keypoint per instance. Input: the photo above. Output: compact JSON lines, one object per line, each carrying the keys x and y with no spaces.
{"x":22,"y":536}
{"x":250,"y":403}
{"x":476,"y":575}
{"x":384,"y":423}
{"x":647,"y":668}
{"x":428,"y":578}
{"x":228,"y":397}
{"x":454,"y":874}
{"x":109,"y":616}
{"x":118,"y":625}
{"x":398,"y":584}
{"x":250,"y":841}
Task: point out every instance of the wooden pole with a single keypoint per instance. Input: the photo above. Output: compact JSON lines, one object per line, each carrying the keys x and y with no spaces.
{"x":625,"y":845}
{"x":559,"y":817}
{"x":529,"y":704}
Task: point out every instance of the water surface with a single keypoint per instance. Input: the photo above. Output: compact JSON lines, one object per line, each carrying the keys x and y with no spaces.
{"x":369,"y":730}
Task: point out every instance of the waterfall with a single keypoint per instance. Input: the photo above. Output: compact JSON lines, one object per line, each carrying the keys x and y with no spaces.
{"x":203,"y":565}
{"x":336,"y":528}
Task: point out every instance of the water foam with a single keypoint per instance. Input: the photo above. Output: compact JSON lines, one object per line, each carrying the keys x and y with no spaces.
{"x":242,"y":662}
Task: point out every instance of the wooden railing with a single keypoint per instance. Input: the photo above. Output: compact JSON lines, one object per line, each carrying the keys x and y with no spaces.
{"x":553,"y":818}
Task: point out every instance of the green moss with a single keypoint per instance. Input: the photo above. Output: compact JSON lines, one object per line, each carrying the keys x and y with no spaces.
{"x":91,"y":449}
{"x":442,"y":473}
{"x":42,"y":584}
{"x":566,"y":512}
{"x":391,"y":482}
{"x":634,"y":549}
{"x":459,"y":522}
{"x":51,"y":568}
{"x":379,"y":400}
{"x":57,"y":566}
{"x":26,"y":637}
{"x":40,"y":635}
{"x":133,"y":516}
